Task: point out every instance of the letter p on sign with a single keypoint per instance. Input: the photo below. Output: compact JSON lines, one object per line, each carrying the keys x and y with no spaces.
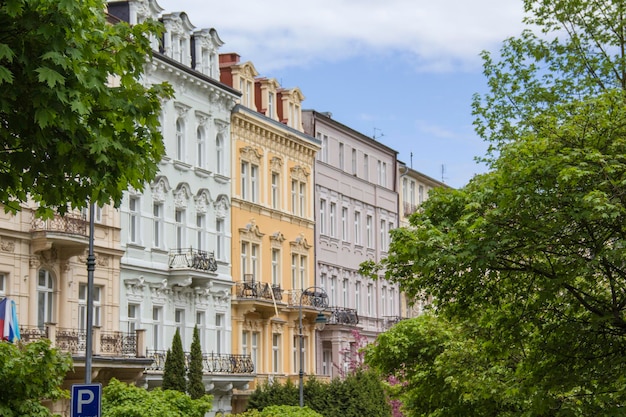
{"x":86,"y":400}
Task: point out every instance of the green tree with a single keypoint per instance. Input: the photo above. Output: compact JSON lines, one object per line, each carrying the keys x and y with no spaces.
{"x":77,"y":122}
{"x":195,"y":386}
{"x":30,"y":372}
{"x":282,"y":411}
{"x":123,"y":400}
{"x":533,"y":251}
{"x":174,"y":369}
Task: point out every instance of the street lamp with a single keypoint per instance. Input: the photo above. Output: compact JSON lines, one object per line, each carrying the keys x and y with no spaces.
{"x":317,"y":298}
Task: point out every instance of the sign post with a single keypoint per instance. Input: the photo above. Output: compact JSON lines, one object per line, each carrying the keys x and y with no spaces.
{"x":86,"y":400}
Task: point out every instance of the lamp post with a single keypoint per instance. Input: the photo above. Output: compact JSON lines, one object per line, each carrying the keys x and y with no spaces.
{"x":317,"y":298}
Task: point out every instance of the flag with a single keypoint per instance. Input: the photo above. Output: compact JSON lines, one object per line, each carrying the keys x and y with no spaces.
{"x":9,"y":328}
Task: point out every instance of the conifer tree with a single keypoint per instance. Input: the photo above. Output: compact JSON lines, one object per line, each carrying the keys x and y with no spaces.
{"x":195,"y":387}
{"x":174,"y":371}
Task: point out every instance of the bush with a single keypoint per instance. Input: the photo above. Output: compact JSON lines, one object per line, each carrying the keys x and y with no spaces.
{"x":282,"y":411}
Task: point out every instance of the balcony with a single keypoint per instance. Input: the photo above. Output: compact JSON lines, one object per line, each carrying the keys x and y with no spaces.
{"x":343,"y":316}
{"x":263,"y":296}
{"x":389,"y":321}
{"x":309,"y":298}
{"x":74,"y":341}
{"x":67,"y":232}
{"x":212,"y":363}
{"x":409,"y":209}
{"x":192,"y":259}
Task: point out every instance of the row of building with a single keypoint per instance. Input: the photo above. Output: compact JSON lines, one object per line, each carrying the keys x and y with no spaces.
{"x":260,"y":210}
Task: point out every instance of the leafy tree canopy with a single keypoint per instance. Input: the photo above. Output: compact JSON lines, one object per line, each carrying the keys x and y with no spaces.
{"x":30,"y":372}
{"x":77,"y":122}
{"x":532,"y":253}
{"x":123,"y":400}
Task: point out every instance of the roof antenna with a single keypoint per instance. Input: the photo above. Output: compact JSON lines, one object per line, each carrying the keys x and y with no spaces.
{"x":379,"y":135}
{"x":443,"y":171}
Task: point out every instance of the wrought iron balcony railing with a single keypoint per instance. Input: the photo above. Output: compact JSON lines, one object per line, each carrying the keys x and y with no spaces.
{"x":391,"y":320}
{"x":309,"y":298}
{"x":212,"y":363}
{"x":74,"y":341}
{"x":259,"y":290}
{"x":70,"y":223}
{"x":193,"y":259}
{"x":409,"y":209}
{"x":341,"y":315}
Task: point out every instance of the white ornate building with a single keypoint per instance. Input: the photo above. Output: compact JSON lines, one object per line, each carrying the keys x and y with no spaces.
{"x":176,"y":267}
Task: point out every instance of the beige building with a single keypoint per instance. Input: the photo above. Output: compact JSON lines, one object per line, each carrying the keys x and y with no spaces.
{"x":43,"y":268}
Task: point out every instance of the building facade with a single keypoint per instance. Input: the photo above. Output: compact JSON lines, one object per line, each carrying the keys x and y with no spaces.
{"x":176,"y":233}
{"x":356,"y":204}
{"x":272,"y":223}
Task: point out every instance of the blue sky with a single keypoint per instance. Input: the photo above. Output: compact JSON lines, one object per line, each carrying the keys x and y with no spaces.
{"x":401,"y":70}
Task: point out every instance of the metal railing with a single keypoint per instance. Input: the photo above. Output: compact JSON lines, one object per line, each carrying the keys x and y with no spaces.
{"x":341,"y":315}
{"x":212,"y":363}
{"x":309,"y":298}
{"x":192,"y":259}
{"x":70,"y":223}
{"x":262,"y":290}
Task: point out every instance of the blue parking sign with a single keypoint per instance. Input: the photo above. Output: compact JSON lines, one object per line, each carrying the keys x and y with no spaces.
{"x":86,"y":400}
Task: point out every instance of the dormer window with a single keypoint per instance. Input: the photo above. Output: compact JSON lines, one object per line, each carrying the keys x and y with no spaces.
{"x":270,"y":105}
{"x":177,"y":37}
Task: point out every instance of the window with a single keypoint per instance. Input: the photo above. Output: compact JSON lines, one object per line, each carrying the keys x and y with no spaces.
{"x":383,"y":235}
{"x":323,"y":155}
{"x":369,"y":299}
{"x":420,"y":194}
{"x":180,"y":228}
{"x":366,"y":167}
{"x":275,"y":266}
{"x":245,"y":349}
{"x":179,"y":319}
{"x":327,"y":361}
{"x":405,"y":196}
{"x":219,"y":333}
{"x":357,"y":228}
{"x":180,"y":140}
{"x":298,"y":197}
{"x":344,"y":291}
{"x":323,"y":280}
{"x":201,"y":325}
{"x":354,"y":161}
{"x":322,"y":223}
{"x":249,"y":259}
{"x":392,"y":305}
{"x":344,"y":223}
{"x":270,"y":105}
{"x":249,"y":181}
{"x":220,"y":238}
{"x":133,"y":208}
{"x":333,"y":221}
{"x":82,"y":306}
{"x":157,"y":212}
{"x":333,"y":291}
{"x":275,"y":190}
{"x":276,"y":353}
{"x":383,"y":301}
{"x":369,"y":231}
{"x":201,"y":233}
{"x":249,"y":94}
{"x":341,"y":156}
{"x":254,"y":349}
{"x":357,"y":296}
{"x":133,"y":318}
{"x":298,"y":271}
{"x":201,"y":136}
{"x":412,"y":194}
{"x":157,"y":328}
{"x":3,"y":284}
{"x":219,"y":154}
{"x":382,"y":173}
{"x":45,"y":298}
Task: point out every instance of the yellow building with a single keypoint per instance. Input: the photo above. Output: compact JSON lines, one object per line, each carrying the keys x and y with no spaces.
{"x":272,"y":223}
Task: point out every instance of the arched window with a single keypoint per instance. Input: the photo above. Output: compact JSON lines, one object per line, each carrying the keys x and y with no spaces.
{"x":180,"y":139}
{"x":219,"y":154}
{"x":201,"y":147}
{"x":45,"y":298}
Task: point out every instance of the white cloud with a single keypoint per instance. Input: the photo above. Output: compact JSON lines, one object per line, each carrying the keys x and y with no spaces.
{"x":439,"y":35}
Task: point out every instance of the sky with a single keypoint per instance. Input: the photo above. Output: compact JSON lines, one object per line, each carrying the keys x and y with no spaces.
{"x":400,"y":71}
